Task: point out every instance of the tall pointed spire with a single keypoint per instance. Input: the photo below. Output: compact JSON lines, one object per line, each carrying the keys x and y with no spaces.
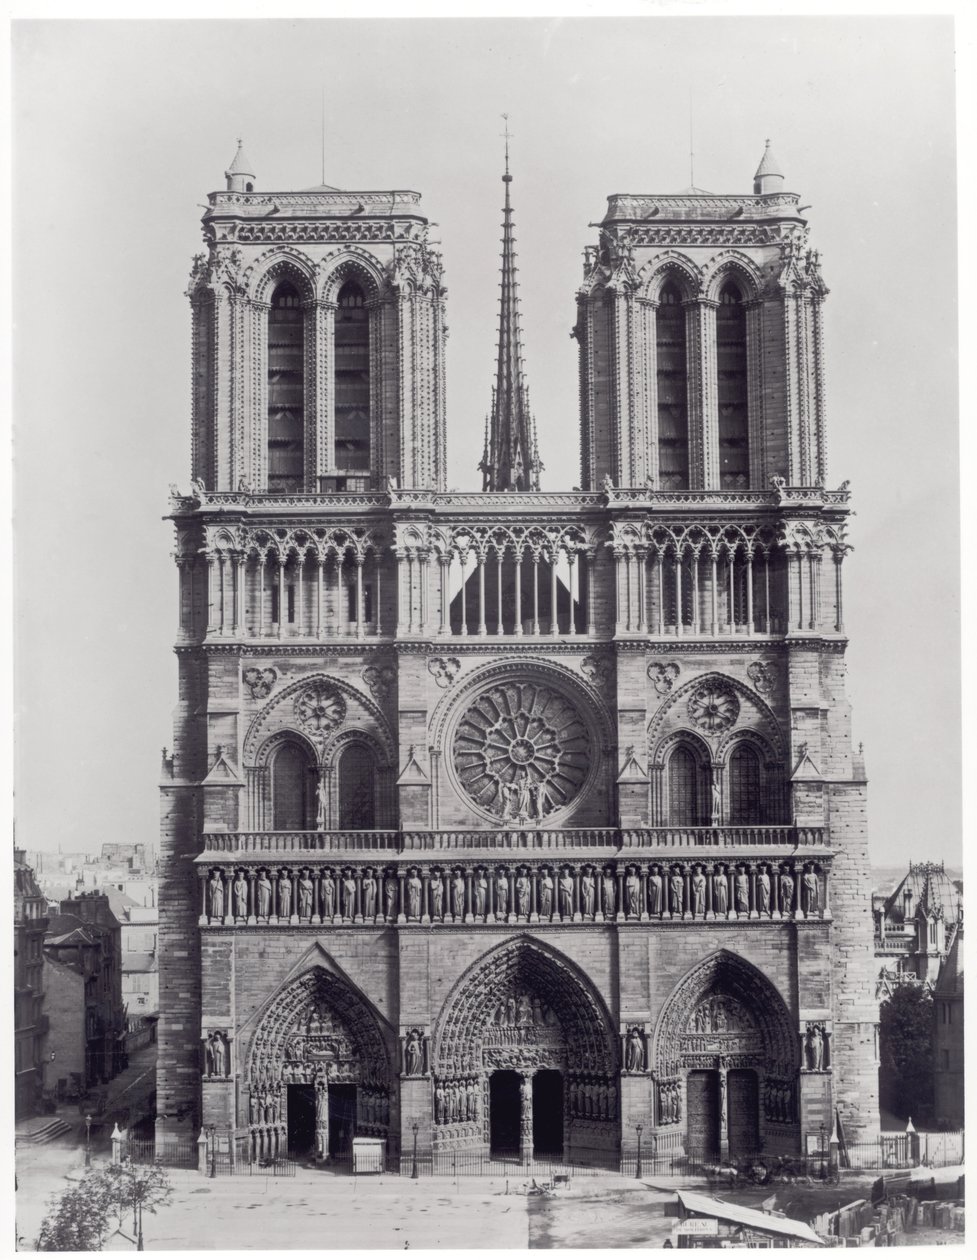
{"x":511,"y":458}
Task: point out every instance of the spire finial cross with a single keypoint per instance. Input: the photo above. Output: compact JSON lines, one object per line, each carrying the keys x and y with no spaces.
{"x":507,"y":134}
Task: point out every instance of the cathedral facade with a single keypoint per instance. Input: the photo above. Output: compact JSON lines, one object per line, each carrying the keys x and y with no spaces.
{"x":517,"y":820}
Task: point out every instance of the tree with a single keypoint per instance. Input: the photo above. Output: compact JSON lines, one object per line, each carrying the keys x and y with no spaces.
{"x":906,"y":1050}
{"x":80,"y":1219}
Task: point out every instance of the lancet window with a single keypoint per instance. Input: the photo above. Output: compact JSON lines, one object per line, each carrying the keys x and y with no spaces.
{"x":286,"y":390}
{"x":352,"y":347}
{"x":745,"y":782}
{"x":673,"y":405}
{"x":292,"y":789}
{"x":731,"y":389}
{"x":686,"y":789}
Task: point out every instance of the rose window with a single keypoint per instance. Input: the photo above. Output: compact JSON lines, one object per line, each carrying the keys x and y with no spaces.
{"x":714,"y":706}
{"x":320,"y":709}
{"x":522,"y":751}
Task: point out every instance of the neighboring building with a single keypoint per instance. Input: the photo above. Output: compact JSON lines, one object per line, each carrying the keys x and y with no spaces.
{"x":30,"y":1018}
{"x":139,"y":925}
{"x":512,"y":819}
{"x":87,"y":1019}
{"x":913,"y":926}
{"x":948,"y":1043}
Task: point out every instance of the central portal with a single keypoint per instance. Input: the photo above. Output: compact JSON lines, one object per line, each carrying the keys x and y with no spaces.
{"x":301,"y":1120}
{"x":548,"y":1112}
{"x":505,"y":1112}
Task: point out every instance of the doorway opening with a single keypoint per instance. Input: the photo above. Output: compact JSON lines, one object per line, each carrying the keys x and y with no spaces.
{"x":301,"y":1120}
{"x":744,"y":1113}
{"x":342,"y":1120}
{"x":505,"y":1111}
{"x":702,"y":1092}
{"x":548,"y":1112}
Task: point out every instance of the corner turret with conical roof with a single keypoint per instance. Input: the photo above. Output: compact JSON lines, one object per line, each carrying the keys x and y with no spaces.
{"x":240,"y":174}
{"x":769,"y":178}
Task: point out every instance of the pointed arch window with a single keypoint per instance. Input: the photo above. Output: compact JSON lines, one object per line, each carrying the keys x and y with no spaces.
{"x":352,"y":347}
{"x":731,"y":395}
{"x":292,"y":789}
{"x":673,"y":391}
{"x":357,"y":782}
{"x":745,"y":787}
{"x":686,"y":789}
{"x":286,"y":390}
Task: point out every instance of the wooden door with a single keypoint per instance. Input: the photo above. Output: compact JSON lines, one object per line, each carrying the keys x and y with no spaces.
{"x":702,"y":1105}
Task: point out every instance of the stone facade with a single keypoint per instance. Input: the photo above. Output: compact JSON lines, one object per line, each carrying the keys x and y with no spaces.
{"x":30,"y":1018}
{"x":525,"y":817}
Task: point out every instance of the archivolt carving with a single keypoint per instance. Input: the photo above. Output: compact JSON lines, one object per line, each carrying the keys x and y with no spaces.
{"x":523,"y":1006}
{"x":731,"y":264}
{"x":725,"y":1007}
{"x":317,"y":1027}
{"x":321,"y":699}
{"x":277,"y":264}
{"x":670,"y":266}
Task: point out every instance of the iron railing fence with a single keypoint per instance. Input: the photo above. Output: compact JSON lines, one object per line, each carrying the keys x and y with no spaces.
{"x":172,"y":1153}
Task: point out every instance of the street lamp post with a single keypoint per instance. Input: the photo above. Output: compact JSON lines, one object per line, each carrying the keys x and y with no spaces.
{"x":637,"y":1167}
{"x":413,"y":1167}
{"x":823,"y":1172}
{"x":88,"y":1141}
{"x":212,"y":1138}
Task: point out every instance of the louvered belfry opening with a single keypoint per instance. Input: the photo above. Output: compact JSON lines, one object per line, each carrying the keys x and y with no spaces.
{"x":731,"y":392}
{"x":286,"y":391}
{"x":673,"y":389}
{"x":352,"y":451}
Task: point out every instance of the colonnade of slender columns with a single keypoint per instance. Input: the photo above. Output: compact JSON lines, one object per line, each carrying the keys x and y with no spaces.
{"x":298,"y":595}
{"x":495,"y":602}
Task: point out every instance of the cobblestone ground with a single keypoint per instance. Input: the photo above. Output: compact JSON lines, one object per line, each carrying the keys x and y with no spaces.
{"x":320,"y":1210}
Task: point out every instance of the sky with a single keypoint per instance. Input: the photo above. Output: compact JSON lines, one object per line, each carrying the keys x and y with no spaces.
{"x":120,"y":129}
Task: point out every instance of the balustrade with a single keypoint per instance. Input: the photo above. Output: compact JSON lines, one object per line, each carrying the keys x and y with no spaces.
{"x":514,"y":892}
{"x":517,"y":838}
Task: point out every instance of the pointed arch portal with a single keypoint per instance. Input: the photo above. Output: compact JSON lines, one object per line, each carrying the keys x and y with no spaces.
{"x":318,"y":1071}
{"x":526,"y":1060}
{"x":726,"y":1061}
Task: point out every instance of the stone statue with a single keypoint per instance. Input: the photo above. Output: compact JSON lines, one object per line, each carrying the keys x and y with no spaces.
{"x":655,"y":891}
{"x":414,"y":888}
{"x":741,"y":885}
{"x":241,"y":896}
{"x":439,"y":1107}
{"x":720,"y":892}
{"x":610,"y":893}
{"x":369,"y":893}
{"x":413,"y":1053}
{"x":524,"y":1009}
{"x":220,"y":1054}
{"x":566,"y":894}
{"x":763,"y":891}
{"x":698,"y":893}
{"x":328,"y":896}
{"x":306,"y":890}
{"x":587,"y":893}
{"x":786,"y":892}
{"x":812,"y":891}
{"x":480,"y":888}
{"x":209,"y":1056}
{"x":284,"y":896}
{"x":458,"y":895}
{"x":472,"y":1101}
{"x":522,"y":895}
{"x":524,"y":803}
{"x":437,"y":896}
{"x":722,"y":1100}
{"x":320,"y":804}
{"x":678,"y":893}
{"x":815,"y":1047}
{"x":546,"y":895}
{"x":716,"y":802}
{"x":632,"y":893}
{"x":635,"y":1053}
{"x":216,"y":896}
{"x":264,"y":895}
{"x":502,"y":894}
{"x":349,"y":895}
{"x":390,"y":897}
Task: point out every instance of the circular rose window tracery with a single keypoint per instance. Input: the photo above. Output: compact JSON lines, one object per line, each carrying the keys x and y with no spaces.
{"x":714,"y":707}
{"x":320,"y":709}
{"x":521,"y":751}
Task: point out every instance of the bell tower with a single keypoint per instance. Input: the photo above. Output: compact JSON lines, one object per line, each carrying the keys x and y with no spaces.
{"x":318,"y":341}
